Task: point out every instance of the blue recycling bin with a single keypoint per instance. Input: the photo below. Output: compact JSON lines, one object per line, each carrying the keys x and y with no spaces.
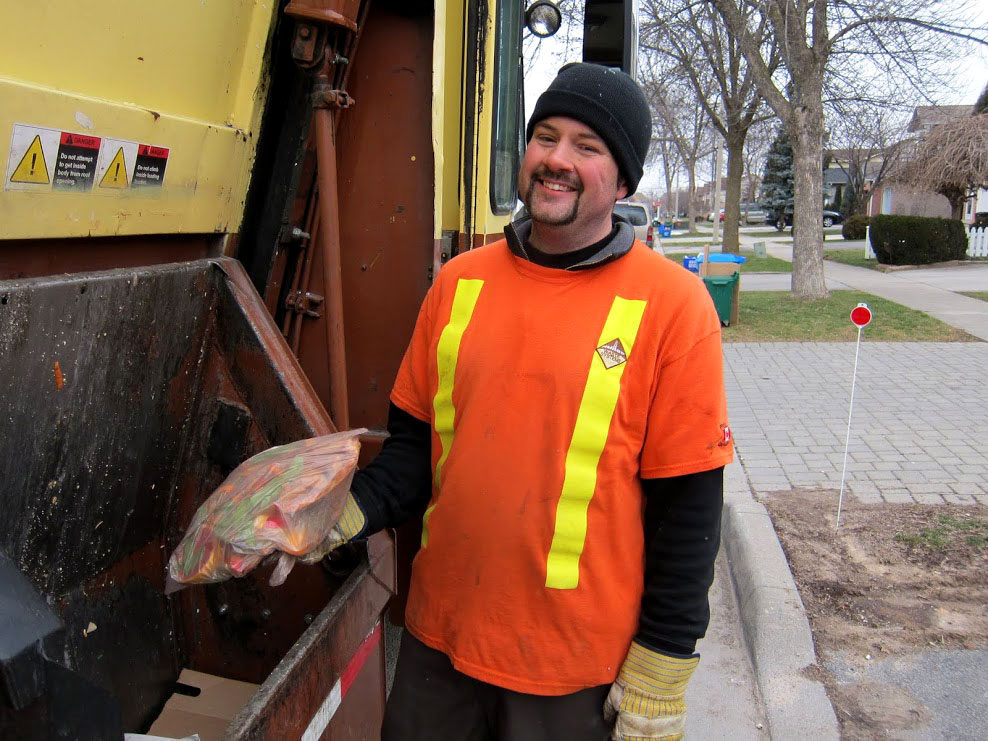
{"x":723,"y":257}
{"x":692,"y":262}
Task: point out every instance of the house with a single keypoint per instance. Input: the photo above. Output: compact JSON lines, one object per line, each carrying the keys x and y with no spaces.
{"x":925,"y":117}
{"x":845,"y":164}
{"x":900,"y":199}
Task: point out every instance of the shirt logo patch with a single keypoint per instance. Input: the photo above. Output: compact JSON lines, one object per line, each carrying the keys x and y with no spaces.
{"x":612,"y":353}
{"x":725,"y":436}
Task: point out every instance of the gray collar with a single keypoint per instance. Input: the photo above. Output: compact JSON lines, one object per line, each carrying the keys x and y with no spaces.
{"x":517,"y":233}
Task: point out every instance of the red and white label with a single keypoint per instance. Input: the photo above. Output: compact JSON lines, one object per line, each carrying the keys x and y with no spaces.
{"x":50,"y":160}
{"x":320,"y":721}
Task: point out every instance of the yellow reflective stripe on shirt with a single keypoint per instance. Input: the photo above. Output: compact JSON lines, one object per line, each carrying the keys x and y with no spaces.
{"x":593,"y":422}
{"x":464,"y":301}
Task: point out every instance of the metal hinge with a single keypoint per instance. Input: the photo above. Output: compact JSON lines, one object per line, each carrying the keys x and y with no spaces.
{"x":445,"y":252}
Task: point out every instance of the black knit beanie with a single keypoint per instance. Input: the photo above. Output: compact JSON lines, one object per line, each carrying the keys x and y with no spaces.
{"x":609,"y":102}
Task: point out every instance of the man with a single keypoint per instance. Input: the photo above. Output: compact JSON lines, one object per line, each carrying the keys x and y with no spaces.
{"x":560,"y":410}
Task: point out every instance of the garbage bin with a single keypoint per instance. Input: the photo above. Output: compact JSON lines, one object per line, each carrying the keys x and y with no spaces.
{"x":722,"y":291}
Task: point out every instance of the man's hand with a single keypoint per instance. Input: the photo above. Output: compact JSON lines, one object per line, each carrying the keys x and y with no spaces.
{"x":647,"y":697}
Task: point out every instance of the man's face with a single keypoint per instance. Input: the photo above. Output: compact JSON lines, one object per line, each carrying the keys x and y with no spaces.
{"x":568,"y":175}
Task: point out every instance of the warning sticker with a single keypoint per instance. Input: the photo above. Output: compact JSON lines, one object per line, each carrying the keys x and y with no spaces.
{"x":44,"y":159}
{"x":115,"y":166}
{"x":150,"y":169}
{"x":32,"y":167}
{"x":75,"y":166}
{"x":32,"y":154}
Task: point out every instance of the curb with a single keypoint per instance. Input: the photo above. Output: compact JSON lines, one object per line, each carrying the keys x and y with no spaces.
{"x":776,"y":629}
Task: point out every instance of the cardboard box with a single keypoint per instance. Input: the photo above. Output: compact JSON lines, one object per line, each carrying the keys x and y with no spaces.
{"x":207,"y":714}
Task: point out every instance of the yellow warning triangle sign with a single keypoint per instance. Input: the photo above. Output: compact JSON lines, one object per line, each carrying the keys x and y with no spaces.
{"x":116,"y":174}
{"x":32,"y":167}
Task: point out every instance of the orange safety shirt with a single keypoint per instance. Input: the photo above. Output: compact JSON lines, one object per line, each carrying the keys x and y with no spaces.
{"x":551,"y":393}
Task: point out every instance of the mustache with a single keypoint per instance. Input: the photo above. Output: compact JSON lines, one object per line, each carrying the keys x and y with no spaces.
{"x":566,"y":178}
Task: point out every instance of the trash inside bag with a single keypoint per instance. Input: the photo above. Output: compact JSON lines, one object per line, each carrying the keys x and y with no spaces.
{"x":286,"y":499}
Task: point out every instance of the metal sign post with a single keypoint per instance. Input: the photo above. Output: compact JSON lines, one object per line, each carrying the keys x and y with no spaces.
{"x":861,"y":318}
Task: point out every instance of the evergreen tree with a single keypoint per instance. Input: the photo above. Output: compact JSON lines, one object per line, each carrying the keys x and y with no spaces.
{"x":981,"y":106}
{"x":778,"y":181}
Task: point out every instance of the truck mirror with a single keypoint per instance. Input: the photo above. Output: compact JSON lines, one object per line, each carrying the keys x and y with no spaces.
{"x":610,"y":34}
{"x":543,"y":18}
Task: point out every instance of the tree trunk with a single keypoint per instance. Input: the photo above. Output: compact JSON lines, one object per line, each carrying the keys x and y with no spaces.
{"x":807,"y":144}
{"x":732,"y":210}
{"x":691,"y":194}
{"x":667,"y":173}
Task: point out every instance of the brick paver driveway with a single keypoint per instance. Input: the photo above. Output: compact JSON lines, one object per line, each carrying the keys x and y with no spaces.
{"x":919,"y":430}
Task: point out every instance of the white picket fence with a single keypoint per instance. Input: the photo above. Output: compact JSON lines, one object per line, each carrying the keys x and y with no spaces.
{"x":977,"y":243}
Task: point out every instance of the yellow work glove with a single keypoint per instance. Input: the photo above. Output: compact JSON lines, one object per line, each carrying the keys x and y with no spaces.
{"x":647,"y":698}
{"x":351,"y":523}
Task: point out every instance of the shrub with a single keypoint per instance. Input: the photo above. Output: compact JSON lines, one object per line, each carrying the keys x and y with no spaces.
{"x":917,"y":240}
{"x":854,"y":227}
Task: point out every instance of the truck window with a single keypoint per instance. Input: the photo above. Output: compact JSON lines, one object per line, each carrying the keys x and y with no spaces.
{"x":508,"y":120}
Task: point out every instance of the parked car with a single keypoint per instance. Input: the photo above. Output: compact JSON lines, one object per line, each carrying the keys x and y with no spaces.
{"x":637,"y":214}
{"x":752,"y":213}
{"x":830,"y":218}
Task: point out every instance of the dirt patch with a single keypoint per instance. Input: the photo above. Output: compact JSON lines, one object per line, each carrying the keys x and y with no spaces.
{"x":895,"y":579}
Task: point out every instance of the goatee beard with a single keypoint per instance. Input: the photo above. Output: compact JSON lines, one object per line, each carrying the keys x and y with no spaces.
{"x":548,"y":219}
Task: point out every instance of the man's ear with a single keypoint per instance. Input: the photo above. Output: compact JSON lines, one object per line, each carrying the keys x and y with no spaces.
{"x":622,"y":189}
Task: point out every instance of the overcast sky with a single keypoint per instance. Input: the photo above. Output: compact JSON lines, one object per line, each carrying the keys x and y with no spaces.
{"x":970,"y":79}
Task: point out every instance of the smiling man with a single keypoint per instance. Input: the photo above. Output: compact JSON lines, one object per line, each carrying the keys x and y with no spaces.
{"x":560,"y":417}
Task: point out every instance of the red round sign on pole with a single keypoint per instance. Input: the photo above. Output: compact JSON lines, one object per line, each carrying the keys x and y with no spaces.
{"x":861,"y":315}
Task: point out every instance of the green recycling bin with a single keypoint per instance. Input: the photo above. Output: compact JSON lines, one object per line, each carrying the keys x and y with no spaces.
{"x":722,"y":291}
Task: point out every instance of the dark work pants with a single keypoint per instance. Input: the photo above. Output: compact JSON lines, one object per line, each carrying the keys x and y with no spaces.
{"x":431,"y":700}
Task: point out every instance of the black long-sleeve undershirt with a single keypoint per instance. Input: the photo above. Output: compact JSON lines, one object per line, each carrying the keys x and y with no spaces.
{"x":682,"y":529}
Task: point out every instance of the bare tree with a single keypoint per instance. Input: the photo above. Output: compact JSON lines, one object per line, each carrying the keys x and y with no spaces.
{"x":866,"y":143}
{"x":694,"y":38}
{"x":678,"y":118}
{"x":663,"y":149}
{"x":873,"y":39}
{"x":952,"y":160}
{"x":756,"y":145}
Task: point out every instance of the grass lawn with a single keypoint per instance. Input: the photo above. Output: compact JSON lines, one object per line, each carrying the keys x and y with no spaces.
{"x":983,"y":295}
{"x":851,"y":257}
{"x":769,"y":233}
{"x":774,"y":316}
{"x":765,"y":265}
